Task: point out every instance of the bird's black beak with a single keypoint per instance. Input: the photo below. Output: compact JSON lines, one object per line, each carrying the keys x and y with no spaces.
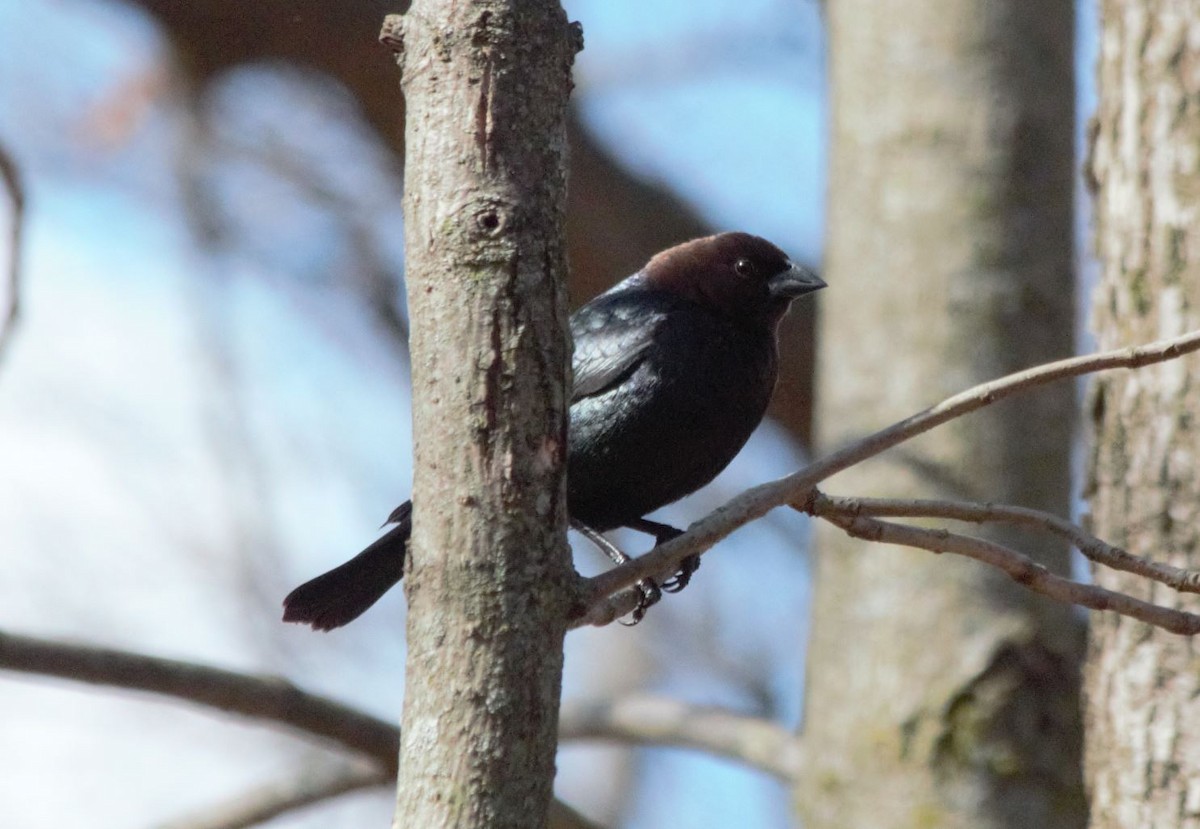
{"x":796,"y":281}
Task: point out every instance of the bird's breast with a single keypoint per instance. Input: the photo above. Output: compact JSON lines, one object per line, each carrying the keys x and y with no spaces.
{"x":672,"y":425}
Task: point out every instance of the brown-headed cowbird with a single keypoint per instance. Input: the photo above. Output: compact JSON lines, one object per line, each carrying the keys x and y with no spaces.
{"x":673,"y":369}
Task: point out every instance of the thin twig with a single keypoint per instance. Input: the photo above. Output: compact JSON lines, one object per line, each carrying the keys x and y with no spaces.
{"x":797,"y":488}
{"x":16,"y":195}
{"x":1019,"y":567}
{"x":1095,"y":549}
{"x":655,"y":720}
{"x":283,"y":797}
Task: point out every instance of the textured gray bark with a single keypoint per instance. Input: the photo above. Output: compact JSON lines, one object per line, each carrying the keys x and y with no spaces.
{"x":941,"y":694}
{"x":489,"y":583}
{"x":1143,"y":685}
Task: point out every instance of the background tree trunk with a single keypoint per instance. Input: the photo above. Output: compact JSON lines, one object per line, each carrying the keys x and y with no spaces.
{"x":486,"y":85}
{"x":939,"y":693}
{"x":1143,"y":685}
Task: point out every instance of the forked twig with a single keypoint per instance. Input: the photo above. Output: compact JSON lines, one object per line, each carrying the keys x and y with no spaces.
{"x":1095,"y":549}
{"x":1020,"y":568}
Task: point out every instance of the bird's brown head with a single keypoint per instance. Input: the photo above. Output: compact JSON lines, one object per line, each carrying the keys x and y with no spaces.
{"x":738,"y":275}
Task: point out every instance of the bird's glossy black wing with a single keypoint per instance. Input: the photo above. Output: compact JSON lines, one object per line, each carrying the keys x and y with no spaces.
{"x":612,"y":334}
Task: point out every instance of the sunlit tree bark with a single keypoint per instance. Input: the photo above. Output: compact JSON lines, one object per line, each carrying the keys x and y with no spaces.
{"x":1143,"y":685}
{"x":489,"y":574}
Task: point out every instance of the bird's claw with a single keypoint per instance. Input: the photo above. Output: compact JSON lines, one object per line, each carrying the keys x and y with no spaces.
{"x":651,"y":595}
{"x":662,"y":534}
{"x":681,"y":579}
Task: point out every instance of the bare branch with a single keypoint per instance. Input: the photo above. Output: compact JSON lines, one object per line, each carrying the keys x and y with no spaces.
{"x":639,"y":719}
{"x":276,"y":799}
{"x":655,"y":720}
{"x":1019,"y":567}
{"x":259,"y":697}
{"x":1095,"y":549}
{"x":16,"y":196}
{"x":797,"y":488}
{"x":267,"y":698}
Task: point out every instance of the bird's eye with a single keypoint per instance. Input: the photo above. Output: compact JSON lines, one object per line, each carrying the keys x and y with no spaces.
{"x":744,"y":267}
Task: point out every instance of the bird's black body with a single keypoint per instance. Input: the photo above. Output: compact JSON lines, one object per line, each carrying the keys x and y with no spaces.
{"x":675,"y":414}
{"x":673,"y":369}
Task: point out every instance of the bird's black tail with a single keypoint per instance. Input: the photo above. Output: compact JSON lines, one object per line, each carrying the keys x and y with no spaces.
{"x":344,"y":593}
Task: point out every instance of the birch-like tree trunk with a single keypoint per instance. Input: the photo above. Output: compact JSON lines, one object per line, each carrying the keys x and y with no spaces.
{"x":489,"y":577}
{"x":940,"y":693}
{"x":1143,"y":685}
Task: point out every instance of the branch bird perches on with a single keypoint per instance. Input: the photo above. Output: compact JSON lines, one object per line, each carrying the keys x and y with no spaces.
{"x":609,"y":596}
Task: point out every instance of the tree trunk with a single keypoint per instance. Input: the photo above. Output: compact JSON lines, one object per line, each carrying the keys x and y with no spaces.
{"x":940,"y":693}
{"x":489,"y":582}
{"x":1143,"y":685}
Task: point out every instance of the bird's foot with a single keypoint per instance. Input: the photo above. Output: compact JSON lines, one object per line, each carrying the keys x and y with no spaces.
{"x":681,"y":579}
{"x":651,"y":595}
{"x":662,"y":534}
